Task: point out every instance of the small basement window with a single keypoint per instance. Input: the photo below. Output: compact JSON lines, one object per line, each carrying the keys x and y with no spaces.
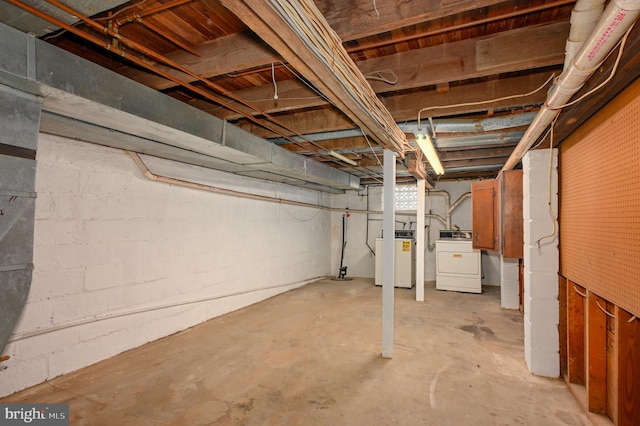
{"x":406,"y":197}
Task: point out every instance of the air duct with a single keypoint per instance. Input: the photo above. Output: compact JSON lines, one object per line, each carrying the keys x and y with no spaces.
{"x":617,"y":18}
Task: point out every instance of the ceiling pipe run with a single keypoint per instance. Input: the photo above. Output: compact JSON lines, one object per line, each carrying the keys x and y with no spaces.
{"x":617,"y":18}
{"x":584,"y":17}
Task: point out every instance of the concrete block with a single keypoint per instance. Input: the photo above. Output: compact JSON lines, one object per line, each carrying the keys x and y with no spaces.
{"x":21,"y":374}
{"x":538,"y":159}
{"x":45,"y":285}
{"x":541,"y":311}
{"x":541,"y":285}
{"x":539,"y":332}
{"x":79,"y":306}
{"x":543,"y":259}
{"x":509,"y":300}
{"x":104,"y":276}
{"x":35,"y":315}
{"x":542,"y":363}
{"x":536,"y":207}
{"x":536,"y":182}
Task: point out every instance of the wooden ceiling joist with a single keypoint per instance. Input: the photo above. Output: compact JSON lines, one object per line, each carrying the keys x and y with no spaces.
{"x":300,"y":34}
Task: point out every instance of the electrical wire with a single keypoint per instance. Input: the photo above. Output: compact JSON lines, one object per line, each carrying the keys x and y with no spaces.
{"x":275,"y":84}
{"x":549,"y":194}
{"x":304,"y":19}
{"x":379,"y":76}
{"x":371,"y":147}
{"x":487,"y":101}
{"x":299,"y":219}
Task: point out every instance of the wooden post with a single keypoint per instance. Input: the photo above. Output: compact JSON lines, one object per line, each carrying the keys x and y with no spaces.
{"x":612,"y":366}
{"x":575,"y":334}
{"x":562,"y":326}
{"x":596,"y":343}
{"x":628,"y":343}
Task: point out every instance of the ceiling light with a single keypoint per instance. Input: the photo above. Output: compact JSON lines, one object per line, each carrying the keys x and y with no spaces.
{"x":342,"y":158}
{"x":425,"y":144}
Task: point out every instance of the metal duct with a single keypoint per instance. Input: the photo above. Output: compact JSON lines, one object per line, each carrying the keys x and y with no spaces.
{"x":617,"y":18}
{"x":19,"y":118}
{"x":87,"y":102}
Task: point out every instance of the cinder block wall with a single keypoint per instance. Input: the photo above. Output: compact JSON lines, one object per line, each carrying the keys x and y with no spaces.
{"x":110,"y":242}
{"x":541,"y":263}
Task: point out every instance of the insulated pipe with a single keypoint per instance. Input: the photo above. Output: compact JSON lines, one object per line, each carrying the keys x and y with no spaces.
{"x":584,"y":17}
{"x":616,"y":20}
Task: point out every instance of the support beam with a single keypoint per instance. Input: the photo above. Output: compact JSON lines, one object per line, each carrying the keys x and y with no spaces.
{"x":420,"y":214}
{"x":575,"y":334}
{"x":628,"y":342}
{"x":316,"y":52}
{"x":596,"y":350}
{"x":388,"y":244}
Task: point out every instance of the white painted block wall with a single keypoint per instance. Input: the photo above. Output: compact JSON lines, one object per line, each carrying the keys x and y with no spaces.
{"x":110,"y":242}
{"x":358,"y":257}
{"x":541,"y":263}
{"x":509,"y":284}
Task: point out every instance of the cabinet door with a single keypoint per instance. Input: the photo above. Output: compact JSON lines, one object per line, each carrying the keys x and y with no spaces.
{"x":484,"y":214}
{"x":511,"y":225}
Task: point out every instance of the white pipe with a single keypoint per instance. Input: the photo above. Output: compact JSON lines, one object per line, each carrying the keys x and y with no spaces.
{"x":616,"y":20}
{"x":584,"y":17}
{"x":459,"y":201}
{"x":119,"y":314}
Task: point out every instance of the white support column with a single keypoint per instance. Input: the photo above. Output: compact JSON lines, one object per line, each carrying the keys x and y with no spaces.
{"x":388,"y":248}
{"x":420,"y":241}
{"x":541,"y":263}
{"x":509,"y":283}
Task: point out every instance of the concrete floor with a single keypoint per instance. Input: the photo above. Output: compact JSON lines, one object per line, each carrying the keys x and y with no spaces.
{"x":312,"y":357}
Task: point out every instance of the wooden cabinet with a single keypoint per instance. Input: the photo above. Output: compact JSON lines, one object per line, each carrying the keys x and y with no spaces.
{"x":510,"y":217}
{"x":497,"y":214}
{"x":484,"y":215}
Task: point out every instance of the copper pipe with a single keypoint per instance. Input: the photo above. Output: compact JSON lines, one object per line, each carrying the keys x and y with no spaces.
{"x":139,"y":18}
{"x":150,"y":53}
{"x":160,"y":8}
{"x":173,"y":40}
{"x":140,"y":62}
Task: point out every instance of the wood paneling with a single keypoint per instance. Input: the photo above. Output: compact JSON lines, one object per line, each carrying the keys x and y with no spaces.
{"x":575,"y":330}
{"x":628,"y":343}
{"x":600,"y":203}
{"x":562,"y":324}
{"x":596,"y":355}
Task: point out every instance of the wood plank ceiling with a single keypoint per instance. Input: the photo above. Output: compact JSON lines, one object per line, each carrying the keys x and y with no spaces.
{"x":448,"y":57}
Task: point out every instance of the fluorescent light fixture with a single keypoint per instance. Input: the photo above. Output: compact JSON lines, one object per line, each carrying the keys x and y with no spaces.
{"x":425,"y":144}
{"x":342,"y":158}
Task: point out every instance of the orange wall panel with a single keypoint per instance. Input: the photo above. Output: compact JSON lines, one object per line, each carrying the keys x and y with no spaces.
{"x":600,"y":202}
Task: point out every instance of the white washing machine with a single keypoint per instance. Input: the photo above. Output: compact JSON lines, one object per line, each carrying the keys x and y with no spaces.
{"x":404,"y":266}
{"x":458,"y":266}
